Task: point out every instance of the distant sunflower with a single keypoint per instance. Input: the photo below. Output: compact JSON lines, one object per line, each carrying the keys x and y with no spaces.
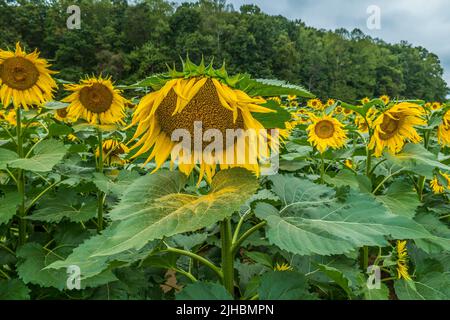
{"x":385,"y":99}
{"x":396,"y":125}
{"x":315,"y":104}
{"x":282,"y":267}
{"x":348,"y":163}
{"x":292,"y":97}
{"x":402,"y":261}
{"x":61,"y":115}
{"x":365,"y":100}
{"x":330,"y":102}
{"x":25,"y":79}
{"x":8,"y":117}
{"x":363,"y":125}
{"x":348,"y":112}
{"x":293,"y":103}
{"x":443,"y":131}
{"x":438,"y":186}
{"x":435,"y":106}
{"x":96,"y":101}
{"x":276,"y":99}
{"x":113,"y":152}
{"x":325,"y":132}
{"x":205,"y":99}
{"x":338,"y":110}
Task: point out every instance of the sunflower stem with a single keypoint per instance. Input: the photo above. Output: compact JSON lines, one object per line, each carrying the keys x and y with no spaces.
{"x":21,"y":181}
{"x":227,"y":256}
{"x":100,"y":194}
{"x":322,"y":168}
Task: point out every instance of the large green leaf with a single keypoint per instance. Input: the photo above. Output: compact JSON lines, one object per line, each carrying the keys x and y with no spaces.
{"x":417,"y":159}
{"x":432,"y":286}
{"x":273,"y":119}
{"x":65,"y":204}
{"x":313,"y":220}
{"x":13,"y":289}
{"x":6,"y":156}
{"x":338,"y":277}
{"x":153,"y":207}
{"x":8,"y":206}
{"x":46,"y":155}
{"x":204,"y":291}
{"x":400,"y":199}
{"x":286,"y":285}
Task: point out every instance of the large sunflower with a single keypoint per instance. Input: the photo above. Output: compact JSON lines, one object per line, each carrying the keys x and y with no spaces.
{"x":396,"y":125}
{"x":96,"y":101}
{"x":325,"y":132}
{"x":443,"y":132}
{"x":205,"y":97}
{"x":25,"y":78}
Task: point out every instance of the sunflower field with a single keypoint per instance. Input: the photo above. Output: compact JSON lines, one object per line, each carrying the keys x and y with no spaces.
{"x":95,"y":204}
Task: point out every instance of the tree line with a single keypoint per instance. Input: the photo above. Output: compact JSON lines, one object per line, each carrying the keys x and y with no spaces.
{"x":131,"y":39}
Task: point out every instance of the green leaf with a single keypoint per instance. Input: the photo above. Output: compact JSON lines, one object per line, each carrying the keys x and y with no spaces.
{"x":6,"y":156}
{"x":116,"y":186}
{"x":338,"y":277}
{"x":286,"y":285}
{"x":273,"y":119}
{"x":314,"y":220}
{"x":14,"y":289}
{"x":47,"y":154}
{"x":8,"y":206}
{"x":271,"y":88}
{"x":417,"y":159}
{"x":153,"y":207}
{"x":431,"y":286}
{"x":204,"y":291}
{"x":260,"y":257}
{"x":348,"y":178}
{"x":400,"y":199}
{"x":55,"y":105}
{"x":156,"y":82}
{"x":65,"y":204}
{"x":373,"y":294}
{"x":436,"y":227}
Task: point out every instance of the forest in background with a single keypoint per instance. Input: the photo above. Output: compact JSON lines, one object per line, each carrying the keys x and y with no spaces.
{"x":130,"y":40}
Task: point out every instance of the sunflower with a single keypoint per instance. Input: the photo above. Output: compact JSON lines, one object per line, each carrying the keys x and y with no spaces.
{"x":276,"y":99}
{"x":282,"y":267}
{"x":348,"y":112}
{"x":443,"y":131}
{"x":330,"y":102}
{"x":202,"y":99}
{"x":338,"y":110}
{"x":72,"y":137}
{"x":325,"y":132}
{"x":438,"y":185}
{"x":293,"y":103}
{"x":348,"y":163}
{"x":315,"y":104}
{"x":292,"y":97}
{"x":365,"y":100}
{"x":25,"y":78}
{"x":363,"y":125}
{"x":385,"y":99}
{"x":8,"y":117}
{"x":435,"y":106}
{"x":396,"y":125}
{"x":402,"y":261}
{"x":61,"y":115}
{"x":96,"y":101}
{"x":113,"y":151}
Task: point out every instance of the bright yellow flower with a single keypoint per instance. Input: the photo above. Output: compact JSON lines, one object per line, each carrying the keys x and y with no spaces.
{"x":436,"y":106}
{"x":292,"y":97}
{"x":96,"y":101}
{"x":72,"y":137}
{"x":25,"y":79}
{"x":385,"y":99}
{"x":443,"y":132}
{"x":293,"y":104}
{"x":276,"y":99}
{"x":363,"y":125}
{"x":330,"y":102}
{"x":315,"y":104}
{"x":402,"y":261}
{"x":338,"y":110}
{"x":396,"y":125}
{"x":436,"y":185}
{"x":365,"y":100}
{"x":179,"y":104}
{"x":348,"y":163}
{"x":113,"y":151}
{"x":282,"y":267}
{"x":348,"y":112}
{"x":326,"y":132}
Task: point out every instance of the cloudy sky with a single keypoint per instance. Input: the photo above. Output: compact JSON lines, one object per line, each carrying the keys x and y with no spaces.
{"x":421,"y":22}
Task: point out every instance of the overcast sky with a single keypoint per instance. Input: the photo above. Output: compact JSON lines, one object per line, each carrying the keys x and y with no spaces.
{"x":421,"y":22}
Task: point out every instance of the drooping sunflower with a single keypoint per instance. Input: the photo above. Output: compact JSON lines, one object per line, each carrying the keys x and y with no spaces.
{"x":25,"y":79}
{"x":113,"y":152}
{"x":439,"y":184}
{"x":402,"y":261}
{"x":385,"y":99}
{"x":396,"y":125}
{"x":326,"y":131}
{"x":96,"y":101}
{"x":443,"y":132}
{"x":199,"y":99}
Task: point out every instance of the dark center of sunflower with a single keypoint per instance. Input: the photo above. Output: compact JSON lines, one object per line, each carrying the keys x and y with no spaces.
{"x":389,"y":127}
{"x":204,"y":107}
{"x":62,"y":113}
{"x":324,"y":129}
{"x":97,"y":98}
{"x":19,"y":73}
